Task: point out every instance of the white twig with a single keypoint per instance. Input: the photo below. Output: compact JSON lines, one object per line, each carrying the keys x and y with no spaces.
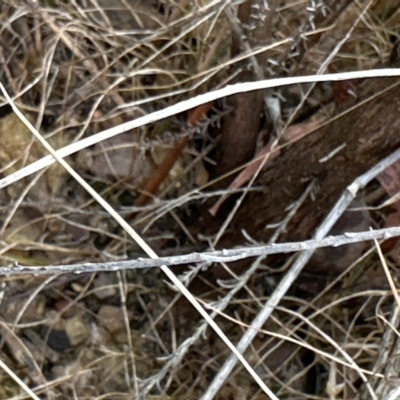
{"x":187,"y":105}
{"x":395,"y":394}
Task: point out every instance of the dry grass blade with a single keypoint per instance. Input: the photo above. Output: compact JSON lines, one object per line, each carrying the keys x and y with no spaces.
{"x":388,"y":274}
{"x":18,"y":381}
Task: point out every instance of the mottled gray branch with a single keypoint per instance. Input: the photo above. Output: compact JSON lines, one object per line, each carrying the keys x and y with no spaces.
{"x":212,"y":256}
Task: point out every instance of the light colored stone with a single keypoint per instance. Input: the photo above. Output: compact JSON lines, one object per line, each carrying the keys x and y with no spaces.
{"x":111,"y":318}
{"x":77,"y":330}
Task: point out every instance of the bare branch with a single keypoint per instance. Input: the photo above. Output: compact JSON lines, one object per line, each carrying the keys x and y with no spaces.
{"x":208,"y":257}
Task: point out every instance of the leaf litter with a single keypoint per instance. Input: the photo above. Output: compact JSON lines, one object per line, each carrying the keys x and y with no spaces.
{"x":75,"y":68}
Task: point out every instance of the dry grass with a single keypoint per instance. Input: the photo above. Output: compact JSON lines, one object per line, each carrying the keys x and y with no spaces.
{"x":75,"y":68}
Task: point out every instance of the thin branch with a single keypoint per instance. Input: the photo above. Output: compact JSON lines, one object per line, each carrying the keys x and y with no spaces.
{"x":209,"y":257}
